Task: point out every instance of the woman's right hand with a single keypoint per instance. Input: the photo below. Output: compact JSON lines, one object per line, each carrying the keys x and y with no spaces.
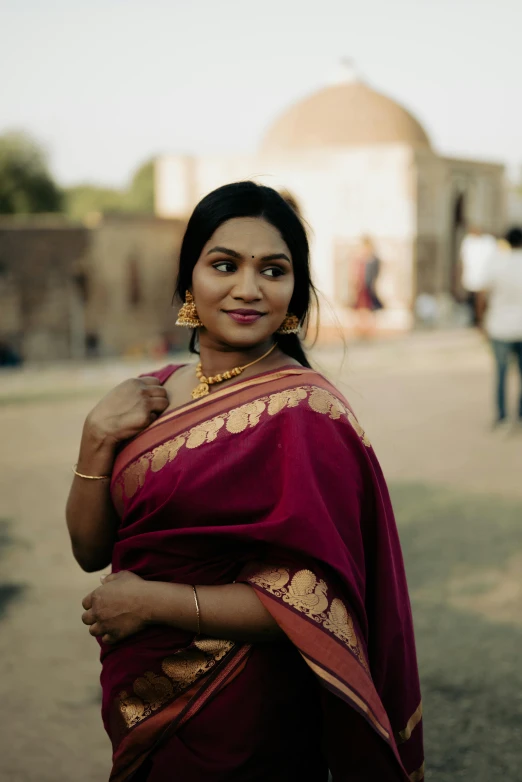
{"x":126,"y":410}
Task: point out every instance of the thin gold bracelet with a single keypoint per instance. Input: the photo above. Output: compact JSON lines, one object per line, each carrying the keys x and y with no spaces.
{"x":197,"y":609}
{"x":91,"y":477}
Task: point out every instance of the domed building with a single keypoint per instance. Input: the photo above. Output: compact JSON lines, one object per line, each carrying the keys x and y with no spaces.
{"x":359,"y":164}
{"x":343,"y":115}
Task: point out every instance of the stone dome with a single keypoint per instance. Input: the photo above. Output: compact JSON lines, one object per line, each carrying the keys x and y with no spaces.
{"x":344,"y":115}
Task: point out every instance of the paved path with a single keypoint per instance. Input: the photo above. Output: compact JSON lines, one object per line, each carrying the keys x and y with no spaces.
{"x":425,"y":401}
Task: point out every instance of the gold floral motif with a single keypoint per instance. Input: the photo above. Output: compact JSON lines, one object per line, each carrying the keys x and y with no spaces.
{"x":358,"y":428}
{"x":235,"y":422}
{"x":217,"y":647}
{"x":322,"y":401}
{"x":135,"y":476}
{"x":246,"y":415}
{"x":152,"y":691}
{"x":205,"y":432}
{"x":340,"y":623}
{"x":272,"y":579}
{"x":184,"y":667}
{"x":132,"y":708}
{"x":308,"y":594}
{"x":282,"y":399}
{"x":165,"y":453}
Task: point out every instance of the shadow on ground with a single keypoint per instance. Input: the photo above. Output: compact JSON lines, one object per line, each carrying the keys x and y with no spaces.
{"x":9,"y":592}
{"x":470,"y":664}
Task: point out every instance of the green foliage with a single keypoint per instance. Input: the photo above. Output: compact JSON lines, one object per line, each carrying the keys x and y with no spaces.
{"x":26,"y":185}
{"x":140,"y":196}
{"x":82,"y":200}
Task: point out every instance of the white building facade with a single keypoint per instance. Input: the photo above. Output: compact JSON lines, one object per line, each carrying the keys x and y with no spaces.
{"x":358,"y":164}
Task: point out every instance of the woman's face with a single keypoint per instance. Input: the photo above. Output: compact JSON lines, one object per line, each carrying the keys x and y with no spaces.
{"x":243,"y":282}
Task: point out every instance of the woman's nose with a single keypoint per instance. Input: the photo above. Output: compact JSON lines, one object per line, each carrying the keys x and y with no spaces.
{"x":246,"y":286}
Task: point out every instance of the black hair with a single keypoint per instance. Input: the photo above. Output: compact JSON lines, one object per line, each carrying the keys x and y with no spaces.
{"x":514,"y":237}
{"x":247,"y":199}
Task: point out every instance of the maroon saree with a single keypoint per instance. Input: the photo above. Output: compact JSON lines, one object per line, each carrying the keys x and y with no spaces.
{"x":270,"y":481}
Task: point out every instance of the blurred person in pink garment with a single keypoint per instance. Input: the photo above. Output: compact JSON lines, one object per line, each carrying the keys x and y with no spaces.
{"x":366,"y":301}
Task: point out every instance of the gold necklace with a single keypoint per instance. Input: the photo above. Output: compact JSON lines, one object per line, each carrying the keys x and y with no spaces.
{"x":205,"y":382}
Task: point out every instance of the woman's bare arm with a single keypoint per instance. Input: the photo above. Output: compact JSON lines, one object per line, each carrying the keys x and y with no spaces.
{"x":122,"y":414}
{"x":126,"y":603}
{"x":231,"y":611}
{"x":91,"y":518}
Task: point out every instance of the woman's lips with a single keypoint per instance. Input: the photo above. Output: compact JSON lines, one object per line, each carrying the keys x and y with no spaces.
{"x":245,"y":316}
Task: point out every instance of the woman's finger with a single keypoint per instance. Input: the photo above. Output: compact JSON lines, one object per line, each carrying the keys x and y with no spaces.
{"x":88,"y":617}
{"x":150,"y":381}
{"x":157,"y":399}
{"x":107,"y":638}
{"x":109,"y":577}
{"x":158,"y":405}
{"x":96,"y":629}
{"x":156,"y":391}
{"x":87,"y":601}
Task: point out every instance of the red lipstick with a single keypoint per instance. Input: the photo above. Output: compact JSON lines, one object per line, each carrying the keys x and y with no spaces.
{"x":245,"y":316}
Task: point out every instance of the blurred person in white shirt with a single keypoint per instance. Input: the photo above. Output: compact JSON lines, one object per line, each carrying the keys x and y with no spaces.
{"x":502,"y":299}
{"x":475,"y":252}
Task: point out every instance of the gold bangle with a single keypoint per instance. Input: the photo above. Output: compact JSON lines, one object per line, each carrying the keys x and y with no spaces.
{"x":197,"y":609}
{"x":91,"y":477}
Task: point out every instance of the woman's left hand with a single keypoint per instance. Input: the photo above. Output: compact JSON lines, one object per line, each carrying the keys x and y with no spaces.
{"x":118,"y":608}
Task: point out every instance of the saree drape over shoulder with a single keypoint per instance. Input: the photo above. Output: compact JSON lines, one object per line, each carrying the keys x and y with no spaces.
{"x":271,"y":481}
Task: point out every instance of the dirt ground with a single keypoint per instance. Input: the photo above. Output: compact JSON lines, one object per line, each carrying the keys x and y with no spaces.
{"x":425,"y":401}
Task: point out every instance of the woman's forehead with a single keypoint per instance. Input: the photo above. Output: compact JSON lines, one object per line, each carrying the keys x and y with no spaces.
{"x":249,"y":235}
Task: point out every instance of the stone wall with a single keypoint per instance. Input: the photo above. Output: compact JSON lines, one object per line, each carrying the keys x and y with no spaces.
{"x":104,"y":289}
{"x":129,"y":283}
{"x":450,"y":195}
{"x":37,"y":294}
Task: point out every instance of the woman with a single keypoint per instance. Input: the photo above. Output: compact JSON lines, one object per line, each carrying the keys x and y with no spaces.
{"x":256,"y":624}
{"x":366,"y":300}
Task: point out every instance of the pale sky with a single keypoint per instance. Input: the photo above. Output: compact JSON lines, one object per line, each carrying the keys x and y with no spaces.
{"x":106,"y":84}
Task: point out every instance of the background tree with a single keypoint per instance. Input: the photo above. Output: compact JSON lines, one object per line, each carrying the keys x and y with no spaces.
{"x":26,"y":186}
{"x":137,"y":198}
{"x":140,"y":195}
{"x":82,"y":200}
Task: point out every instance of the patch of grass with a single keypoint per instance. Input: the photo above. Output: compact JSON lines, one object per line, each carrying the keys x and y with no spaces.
{"x":470,"y":667}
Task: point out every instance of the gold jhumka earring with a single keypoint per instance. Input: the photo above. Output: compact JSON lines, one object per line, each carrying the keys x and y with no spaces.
{"x":188,"y":314}
{"x":290,"y":325}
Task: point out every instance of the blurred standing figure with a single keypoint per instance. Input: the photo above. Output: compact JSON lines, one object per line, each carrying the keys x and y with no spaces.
{"x":366,"y":300}
{"x":476,"y":250}
{"x":503,"y":322}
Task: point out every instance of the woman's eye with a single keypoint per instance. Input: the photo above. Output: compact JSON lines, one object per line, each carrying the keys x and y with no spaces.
{"x":225,"y":266}
{"x":273,"y":271}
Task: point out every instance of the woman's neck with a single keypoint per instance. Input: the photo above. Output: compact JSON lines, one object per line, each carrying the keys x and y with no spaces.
{"x":218,"y":358}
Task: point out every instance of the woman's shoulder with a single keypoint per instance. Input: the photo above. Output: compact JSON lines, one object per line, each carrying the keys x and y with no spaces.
{"x":312,"y":394}
{"x":163,"y":373}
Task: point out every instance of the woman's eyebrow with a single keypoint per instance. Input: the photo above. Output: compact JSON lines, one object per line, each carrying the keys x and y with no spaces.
{"x":225,"y":251}
{"x":235,"y":254}
{"x":276,"y":257}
